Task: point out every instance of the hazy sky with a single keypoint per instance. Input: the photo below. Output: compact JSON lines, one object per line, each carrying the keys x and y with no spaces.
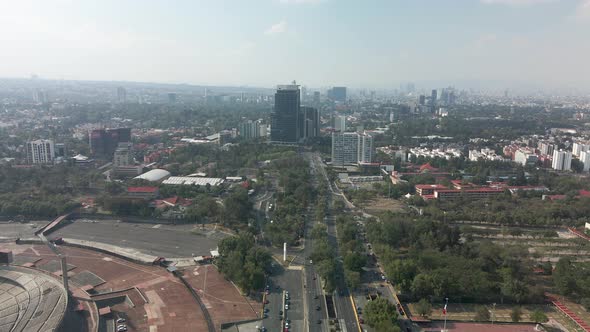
{"x":372,"y":43}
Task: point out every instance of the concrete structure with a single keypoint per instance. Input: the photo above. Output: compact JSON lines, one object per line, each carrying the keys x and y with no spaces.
{"x":337,"y":93}
{"x":154,"y":175}
{"x":30,"y":300}
{"x":579,"y":147}
{"x":121,"y":95}
{"x":252,"y":129}
{"x":309,"y":125}
{"x":487,"y":154}
{"x":352,"y":148}
{"x":143,"y":192}
{"x":585,"y":159}
{"x":546,"y":148}
{"x":340,"y":123}
{"x":196,"y":181}
{"x":525,"y":157}
{"x":123,"y":155}
{"x":285,"y":116}
{"x":104,"y":142}
{"x":562,"y":160}
{"x":40,"y":151}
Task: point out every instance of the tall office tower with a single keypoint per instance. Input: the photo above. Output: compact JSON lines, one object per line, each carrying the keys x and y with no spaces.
{"x":60,"y":150}
{"x":316,"y":97}
{"x":309,"y":125}
{"x":337,"y":93}
{"x":41,"y":151}
{"x":104,"y":142}
{"x":366,"y":148}
{"x":123,"y":155}
{"x":433,"y":97}
{"x":352,"y":148}
{"x":452,"y":98}
{"x":303,"y":93}
{"x":340,"y":123}
{"x":546,"y":148}
{"x":422,"y":100}
{"x":562,"y":160}
{"x":121,"y":95}
{"x":171,"y":97}
{"x":585,"y":159}
{"x":285,"y":116}
{"x":40,"y":96}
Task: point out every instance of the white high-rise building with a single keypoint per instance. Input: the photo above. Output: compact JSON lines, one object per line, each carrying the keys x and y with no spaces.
{"x":585,"y":159}
{"x":340,"y":123}
{"x":352,"y":148}
{"x":562,"y":160}
{"x":579,"y":147}
{"x":40,"y":151}
{"x":366,"y":148}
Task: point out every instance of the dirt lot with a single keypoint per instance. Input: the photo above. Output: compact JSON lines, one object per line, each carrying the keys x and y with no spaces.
{"x":381,"y":204}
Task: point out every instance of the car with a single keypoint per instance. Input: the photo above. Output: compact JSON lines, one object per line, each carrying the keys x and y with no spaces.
{"x":281,"y":313}
{"x":314,"y":277}
{"x":265,"y":316}
{"x":316,"y":296}
{"x":317,"y":307}
{"x":287,"y":306}
{"x":267,"y":292}
{"x":265,"y":301}
{"x":319,"y":321}
{"x":362,"y":321}
{"x":121,"y":320}
{"x":311,"y":261}
{"x":266,"y":310}
{"x":121,"y":328}
{"x":287,"y":324}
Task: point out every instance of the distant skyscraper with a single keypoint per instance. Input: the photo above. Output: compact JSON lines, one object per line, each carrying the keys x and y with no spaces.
{"x":123,"y":155}
{"x":303,"y":93}
{"x":104,"y":142}
{"x":337,"y":93}
{"x":285,"y":116}
{"x":251,"y":129}
{"x":340,"y":123}
{"x":309,"y":125}
{"x":316,"y":97}
{"x":121,"y":95}
{"x":366,"y":148}
{"x":422,"y":100}
{"x":172,"y":97}
{"x":433,"y":97}
{"x":40,"y":151}
{"x":562,"y":160}
{"x":40,"y":97}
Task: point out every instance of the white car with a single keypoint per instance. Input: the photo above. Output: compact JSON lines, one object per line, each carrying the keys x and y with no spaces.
{"x":286,"y":306}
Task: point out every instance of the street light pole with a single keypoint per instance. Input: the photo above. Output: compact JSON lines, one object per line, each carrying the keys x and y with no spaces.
{"x":445,"y":312}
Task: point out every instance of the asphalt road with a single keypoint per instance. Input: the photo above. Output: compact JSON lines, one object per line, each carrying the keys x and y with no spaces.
{"x":159,"y":240}
{"x":342,"y":300}
{"x":286,"y":280}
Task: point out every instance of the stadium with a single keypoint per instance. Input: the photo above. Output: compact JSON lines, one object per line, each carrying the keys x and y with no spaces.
{"x":30,"y":300}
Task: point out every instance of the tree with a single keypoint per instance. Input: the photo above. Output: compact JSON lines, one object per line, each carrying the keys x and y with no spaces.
{"x":380,"y":311}
{"x":482,"y":313}
{"x":424,"y":308}
{"x":538,"y":317}
{"x":516,"y":314}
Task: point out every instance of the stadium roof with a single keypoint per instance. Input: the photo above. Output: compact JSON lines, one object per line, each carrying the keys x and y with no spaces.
{"x":186,"y":180}
{"x":154,"y":175}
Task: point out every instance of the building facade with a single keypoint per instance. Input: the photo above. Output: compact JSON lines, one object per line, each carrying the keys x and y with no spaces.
{"x":309,"y":125}
{"x":352,"y":148}
{"x":285,"y":116}
{"x":104,"y":142}
{"x":562,"y":160}
{"x":40,"y":151}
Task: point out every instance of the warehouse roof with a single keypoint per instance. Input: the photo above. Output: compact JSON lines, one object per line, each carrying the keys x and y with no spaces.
{"x":154,"y":175}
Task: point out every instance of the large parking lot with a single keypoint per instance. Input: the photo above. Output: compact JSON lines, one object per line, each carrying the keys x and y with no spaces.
{"x":158,"y":240}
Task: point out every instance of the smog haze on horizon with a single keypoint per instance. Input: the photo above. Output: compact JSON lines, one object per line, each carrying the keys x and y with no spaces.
{"x":376,"y":44}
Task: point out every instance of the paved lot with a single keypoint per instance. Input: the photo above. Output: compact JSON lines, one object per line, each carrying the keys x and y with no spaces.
{"x":159,"y":240}
{"x":20,"y":230}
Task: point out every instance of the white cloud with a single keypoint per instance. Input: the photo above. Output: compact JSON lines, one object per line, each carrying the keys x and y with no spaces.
{"x":277,"y":28}
{"x":516,"y":2}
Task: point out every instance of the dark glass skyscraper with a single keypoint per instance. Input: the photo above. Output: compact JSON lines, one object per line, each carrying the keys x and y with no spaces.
{"x":309,"y":122}
{"x":285,"y":116}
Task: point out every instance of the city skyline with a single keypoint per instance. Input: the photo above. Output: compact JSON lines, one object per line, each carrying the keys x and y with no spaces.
{"x":486,"y":44}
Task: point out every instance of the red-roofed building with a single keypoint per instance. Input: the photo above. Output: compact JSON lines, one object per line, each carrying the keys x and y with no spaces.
{"x":427,"y":168}
{"x":428,"y":189}
{"x":143,"y":192}
{"x":471,"y":194}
